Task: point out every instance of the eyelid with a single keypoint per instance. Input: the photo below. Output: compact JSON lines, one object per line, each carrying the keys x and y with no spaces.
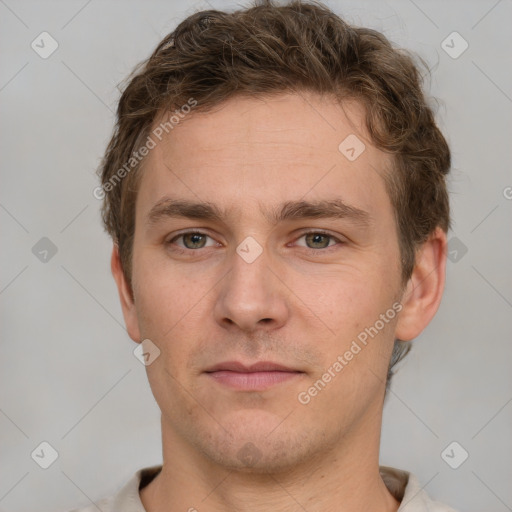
{"x":303,"y":233}
{"x":181,"y":234}
{"x":320,"y":231}
{"x":337,"y":238}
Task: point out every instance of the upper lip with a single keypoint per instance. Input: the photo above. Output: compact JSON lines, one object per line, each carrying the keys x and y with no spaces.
{"x":261,"y":366}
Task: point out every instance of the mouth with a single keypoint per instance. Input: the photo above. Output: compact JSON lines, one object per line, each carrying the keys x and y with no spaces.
{"x":255,"y":377}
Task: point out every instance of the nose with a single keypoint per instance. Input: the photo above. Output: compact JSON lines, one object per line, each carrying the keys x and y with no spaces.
{"x":251,"y":296}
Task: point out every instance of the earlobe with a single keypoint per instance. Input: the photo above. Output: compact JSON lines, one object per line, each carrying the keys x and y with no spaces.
{"x":125,"y":296}
{"x":424,"y":289}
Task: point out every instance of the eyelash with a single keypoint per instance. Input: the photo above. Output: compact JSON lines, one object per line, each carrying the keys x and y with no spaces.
{"x":184,"y":250}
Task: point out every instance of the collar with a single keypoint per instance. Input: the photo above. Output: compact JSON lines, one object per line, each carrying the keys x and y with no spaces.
{"x":404,"y":486}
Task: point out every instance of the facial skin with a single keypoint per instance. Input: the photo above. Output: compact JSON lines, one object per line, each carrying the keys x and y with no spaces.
{"x":301,"y":303}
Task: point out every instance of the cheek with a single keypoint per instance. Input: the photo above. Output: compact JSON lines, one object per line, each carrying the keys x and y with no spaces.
{"x":170,"y":315}
{"x":347,"y":300}
{"x":164,"y":298}
{"x":351,"y":302}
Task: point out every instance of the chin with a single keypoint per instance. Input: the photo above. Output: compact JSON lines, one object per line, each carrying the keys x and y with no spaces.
{"x":258,"y":443}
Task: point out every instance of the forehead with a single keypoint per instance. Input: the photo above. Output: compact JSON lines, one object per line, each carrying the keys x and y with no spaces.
{"x":268,"y":150}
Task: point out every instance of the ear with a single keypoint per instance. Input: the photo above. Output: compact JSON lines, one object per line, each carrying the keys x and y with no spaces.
{"x":126,"y":296}
{"x":424,"y":289}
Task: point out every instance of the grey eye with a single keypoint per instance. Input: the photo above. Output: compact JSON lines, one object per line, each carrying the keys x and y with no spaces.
{"x":317,"y":240}
{"x":194,"y":240}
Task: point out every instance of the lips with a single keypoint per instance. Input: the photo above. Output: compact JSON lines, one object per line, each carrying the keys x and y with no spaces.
{"x":261,"y":366}
{"x":254,"y":377}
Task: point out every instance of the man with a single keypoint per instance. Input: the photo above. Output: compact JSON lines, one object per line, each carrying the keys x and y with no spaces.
{"x":275,"y":190}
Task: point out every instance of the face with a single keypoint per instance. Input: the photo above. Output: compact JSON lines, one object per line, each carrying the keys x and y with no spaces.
{"x":266,"y":271}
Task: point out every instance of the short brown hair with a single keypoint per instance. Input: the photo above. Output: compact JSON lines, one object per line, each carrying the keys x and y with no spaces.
{"x":265,"y":49}
{"x":213,"y":56}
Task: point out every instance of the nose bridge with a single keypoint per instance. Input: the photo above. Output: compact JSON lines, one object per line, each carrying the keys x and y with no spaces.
{"x":251,"y":296}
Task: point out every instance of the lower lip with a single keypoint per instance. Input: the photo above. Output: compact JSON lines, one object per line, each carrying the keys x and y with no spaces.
{"x":252,"y":381}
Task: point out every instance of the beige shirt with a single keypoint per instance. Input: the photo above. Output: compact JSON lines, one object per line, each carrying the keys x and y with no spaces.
{"x":402,"y":485}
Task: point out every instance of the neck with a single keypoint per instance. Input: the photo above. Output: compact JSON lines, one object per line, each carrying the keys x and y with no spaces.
{"x":342,"y":478}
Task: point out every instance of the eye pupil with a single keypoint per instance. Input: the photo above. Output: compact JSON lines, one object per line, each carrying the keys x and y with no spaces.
{"x":317,"y":238}
{"x":197,"y":240}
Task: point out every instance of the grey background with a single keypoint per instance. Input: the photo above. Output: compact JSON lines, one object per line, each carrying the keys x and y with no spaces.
{"x":67,"y":372}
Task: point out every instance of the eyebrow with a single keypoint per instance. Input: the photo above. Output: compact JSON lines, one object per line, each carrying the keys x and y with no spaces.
{"x":324,"y":209}
{"x":290,"y":210}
